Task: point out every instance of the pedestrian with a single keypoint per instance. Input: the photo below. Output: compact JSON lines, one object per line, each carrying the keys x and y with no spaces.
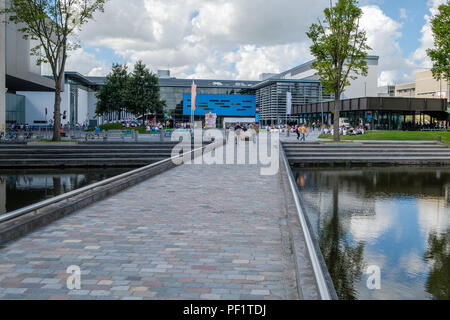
{"x":303,"y":130}
{"x":297,"y":131}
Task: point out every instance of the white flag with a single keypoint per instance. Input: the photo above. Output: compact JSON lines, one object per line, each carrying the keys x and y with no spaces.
{"x":288,"y":103}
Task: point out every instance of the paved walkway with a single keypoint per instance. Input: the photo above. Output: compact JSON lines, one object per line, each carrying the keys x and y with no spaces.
{"x":213,"y":232}
{"x":312,"y":136}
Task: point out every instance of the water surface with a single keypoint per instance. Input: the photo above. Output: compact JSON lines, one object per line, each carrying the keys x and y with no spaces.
{"x":19,"y":189}
{"x":395,"y":218}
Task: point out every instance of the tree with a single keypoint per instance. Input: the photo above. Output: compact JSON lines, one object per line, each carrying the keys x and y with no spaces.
{"x":53,"y":23}
{"x":440,"y":55}
{"x":340,"y":48}
{"x":438,"y":257}
{"x":143,"y":92}
{"x":112,"y":96}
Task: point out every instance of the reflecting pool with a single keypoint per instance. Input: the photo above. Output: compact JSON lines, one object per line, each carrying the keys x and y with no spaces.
{"x":395,"y":220}
{"x":19,"y":189}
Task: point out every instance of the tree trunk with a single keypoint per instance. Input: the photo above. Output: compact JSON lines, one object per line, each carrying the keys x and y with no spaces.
{"x":337,"y":115}
{"x":57,"y":114}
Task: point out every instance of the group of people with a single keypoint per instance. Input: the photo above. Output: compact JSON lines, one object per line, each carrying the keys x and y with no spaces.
{"x":344,"y":131}
{"x":301,"y":132}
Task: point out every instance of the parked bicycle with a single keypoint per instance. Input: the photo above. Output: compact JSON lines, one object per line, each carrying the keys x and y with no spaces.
{"x":9,"y":136}
{"x":94,"y":136}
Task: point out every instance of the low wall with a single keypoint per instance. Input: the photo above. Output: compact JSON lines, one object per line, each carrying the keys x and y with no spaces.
{"x":305,"y":246}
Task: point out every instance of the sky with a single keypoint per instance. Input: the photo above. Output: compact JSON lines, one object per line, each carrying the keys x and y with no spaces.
{"x":240,"y":39}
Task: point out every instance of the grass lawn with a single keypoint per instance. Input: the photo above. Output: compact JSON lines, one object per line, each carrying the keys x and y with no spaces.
{"x":398,"y":135}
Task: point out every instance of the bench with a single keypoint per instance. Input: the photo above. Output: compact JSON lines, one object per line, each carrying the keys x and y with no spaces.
{"x":115,"y":134}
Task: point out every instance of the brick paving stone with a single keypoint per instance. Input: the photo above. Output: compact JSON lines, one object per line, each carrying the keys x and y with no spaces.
{"x":153,"y":241}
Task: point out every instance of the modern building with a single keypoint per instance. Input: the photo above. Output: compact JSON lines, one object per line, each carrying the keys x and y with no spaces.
{"x":18,"y":72}
{"x":305,"y":88}
{"x":77,"y":102}
{"x":407,"y":90}
{"x":380,"y":113}
{"x":386,"y":91}
{"x":428,"y":87}
{"x":173,"y":92}
{"x":228,"y":108}
{"x":272,"y":98}
{"x":268,"y":97}
{"x":425,"y":86}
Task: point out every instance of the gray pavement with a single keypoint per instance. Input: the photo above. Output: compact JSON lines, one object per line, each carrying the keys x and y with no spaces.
{"x":211,"y":232}
{"x":312,"y":136}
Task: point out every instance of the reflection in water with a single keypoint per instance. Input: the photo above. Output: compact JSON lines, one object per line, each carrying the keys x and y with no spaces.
{"x":344,"y":259}
{"x":395,"y":218}
{"x":438,"y":256}
{"x":19,"y":189}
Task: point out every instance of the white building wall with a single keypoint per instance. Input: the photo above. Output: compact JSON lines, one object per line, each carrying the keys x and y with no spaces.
{"x":36,"y":102}
{"x":363,"y":86}
{"x":83,"y":106}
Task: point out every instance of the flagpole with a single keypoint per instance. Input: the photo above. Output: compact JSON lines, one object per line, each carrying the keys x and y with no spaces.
{"x":193,"y":99}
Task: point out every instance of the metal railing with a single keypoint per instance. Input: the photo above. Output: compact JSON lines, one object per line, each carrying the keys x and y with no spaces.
{"x":324,"y":291}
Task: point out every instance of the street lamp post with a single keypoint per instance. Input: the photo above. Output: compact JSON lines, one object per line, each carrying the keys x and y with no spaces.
{"x":321,"y":101}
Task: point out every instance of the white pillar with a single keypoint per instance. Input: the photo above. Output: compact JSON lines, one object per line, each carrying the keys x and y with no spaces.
{"x":2,"y":70}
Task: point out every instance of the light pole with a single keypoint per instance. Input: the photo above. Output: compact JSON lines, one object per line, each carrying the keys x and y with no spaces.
{"x":321,"y":100}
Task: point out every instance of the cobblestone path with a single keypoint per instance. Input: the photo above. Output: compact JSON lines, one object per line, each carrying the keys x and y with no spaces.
{"x":211,"y":232}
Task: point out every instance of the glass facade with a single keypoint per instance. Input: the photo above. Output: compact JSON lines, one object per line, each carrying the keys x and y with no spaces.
{"x":75,"y":88}
{"x":15,"y":109}
{"x":271,"y":99}
{"x":374,"y":120}
{"x":73,"y":104}
{"x":174,"y":95}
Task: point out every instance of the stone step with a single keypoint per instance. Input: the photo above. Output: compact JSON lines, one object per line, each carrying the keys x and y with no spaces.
{"x":87,"y":156}
{"x":369,"y":159}
{"x":362,"y":146}
{"x":79,"y":163}
{"x":339,"y":150}
{"x":88,"y":146}
{"x":71,"y":151}
{"x":343,"y":156}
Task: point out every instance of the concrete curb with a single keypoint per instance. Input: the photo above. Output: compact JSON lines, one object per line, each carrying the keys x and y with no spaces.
{"x":24,"y":221}
{"x":298,"y":243}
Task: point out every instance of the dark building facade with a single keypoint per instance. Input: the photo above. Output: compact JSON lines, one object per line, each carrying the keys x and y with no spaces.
{"x":271,"y":98}
{"x":381,"y":113}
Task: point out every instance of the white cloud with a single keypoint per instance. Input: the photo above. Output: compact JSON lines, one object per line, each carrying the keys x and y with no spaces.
{"x":427,"y":39}
{"x":204,"y":38}
{"x":230,"y":39}
{"x":370,"y":228}
{"x":86,"y":64}
{"x":383,"y":34}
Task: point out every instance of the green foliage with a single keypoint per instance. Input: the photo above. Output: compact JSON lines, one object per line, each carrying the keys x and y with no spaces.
{"x":340,"y":48}
{"x":143,"y":95}
{"x":438,"y":256}
{"x":112,"y":96}
{"x":440,"y":55}
{"x":137,"y":92}
{"x":53,"y":25}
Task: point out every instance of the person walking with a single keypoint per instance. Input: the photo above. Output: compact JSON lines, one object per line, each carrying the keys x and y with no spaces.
{"x":297,"y":131}
{"x":303,"y":131}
